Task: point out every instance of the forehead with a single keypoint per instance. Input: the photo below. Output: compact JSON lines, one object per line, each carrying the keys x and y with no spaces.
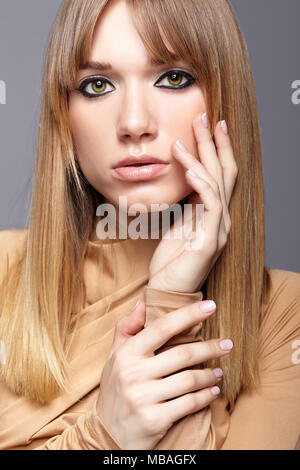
{"x":115,"y":36}
{"x":116,"y":41}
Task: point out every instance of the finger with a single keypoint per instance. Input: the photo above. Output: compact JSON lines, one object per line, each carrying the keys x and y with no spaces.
{"x":226,"y":158}
{"x":207,"y":231}
{"x":130,"y":325}
{"x":184,"y":382}
{"x":175,"y":385}
{"x":207,"y":149}
{"x":188,"y":161}
{"x":182,"y":356}
{"x":161,"y":330}
{"x":186,"y":404}
{"x":209,"y":158}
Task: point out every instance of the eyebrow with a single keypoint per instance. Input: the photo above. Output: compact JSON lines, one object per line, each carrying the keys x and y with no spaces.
{"x":104,"y":66}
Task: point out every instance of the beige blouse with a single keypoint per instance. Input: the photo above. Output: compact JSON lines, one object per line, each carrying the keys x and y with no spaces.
{"x":268,"y":418}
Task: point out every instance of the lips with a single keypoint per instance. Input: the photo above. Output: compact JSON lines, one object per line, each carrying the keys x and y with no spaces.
{"x":145,"y":172}
{"x":137,"y":161}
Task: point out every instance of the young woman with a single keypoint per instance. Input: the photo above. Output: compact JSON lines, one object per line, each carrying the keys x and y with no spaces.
{"x":80,"y":367}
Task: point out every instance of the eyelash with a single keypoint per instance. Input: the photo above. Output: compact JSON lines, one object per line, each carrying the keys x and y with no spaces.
{"x":82,"y":86}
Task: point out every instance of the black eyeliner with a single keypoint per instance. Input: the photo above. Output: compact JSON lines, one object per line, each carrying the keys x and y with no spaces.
{"x":89,"y":80}
{"x":190,"y":81}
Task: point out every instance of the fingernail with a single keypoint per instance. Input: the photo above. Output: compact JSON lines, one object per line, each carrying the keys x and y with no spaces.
{"x":205,"y":120}
{"x":215,"y":390}
{"x":226,"y":344}
{"x":218,"y":372}
{"x":207,"y":306}
{"x":192,"y":173}
{"x":224,"y":127}
{"x":181,"y":146}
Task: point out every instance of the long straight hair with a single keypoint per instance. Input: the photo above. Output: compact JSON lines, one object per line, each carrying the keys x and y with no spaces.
{"x":41,"y":289}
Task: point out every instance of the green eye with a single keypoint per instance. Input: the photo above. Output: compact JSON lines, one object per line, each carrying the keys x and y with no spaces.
{"x":177,"y":79}
{"x":98,"y":86}
{"x":174,"y":80}
{"x":95,"y":87}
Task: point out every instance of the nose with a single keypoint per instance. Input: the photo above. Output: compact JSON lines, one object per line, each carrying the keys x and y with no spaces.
{"x":137,"y":120}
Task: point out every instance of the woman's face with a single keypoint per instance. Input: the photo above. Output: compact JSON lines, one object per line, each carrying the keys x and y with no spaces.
{"x":130,"y":115}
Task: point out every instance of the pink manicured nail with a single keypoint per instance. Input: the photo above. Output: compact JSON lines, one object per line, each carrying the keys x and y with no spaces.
{"x":226,"y":344}
{"x":218,"y":372}
{"x":193,"y":174}
{"x":205,"y":120}
{"x":181,"y":146}
{"x":215,"y":390}
{"x":224,"y":127}
{"x":207,"y":306}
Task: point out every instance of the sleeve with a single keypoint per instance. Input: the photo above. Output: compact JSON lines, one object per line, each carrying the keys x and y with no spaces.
{"x":159,"y":302}
{"x":269,"y":417}
{"x":88,"y":433}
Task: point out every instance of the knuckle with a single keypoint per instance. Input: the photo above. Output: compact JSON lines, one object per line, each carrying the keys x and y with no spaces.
{"x":161,"y":328}
{"x":184,"y":354}
{"x":235,"y":171}
{"x":192,"y":402}
{"x":215,"y":187}
{"x":217,"y":351}
{"x":214,"y":348}
{"x":127,"y":376}
{"x":135,"y":398}
{"x":223,"y":239}
{"x":191,"y":379}
{"x":122,"y":379}
{"x":149,"y":421}
{"x":219,"y":207}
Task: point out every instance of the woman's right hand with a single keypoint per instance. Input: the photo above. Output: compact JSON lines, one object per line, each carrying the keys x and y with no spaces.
{"x":143,"y":394}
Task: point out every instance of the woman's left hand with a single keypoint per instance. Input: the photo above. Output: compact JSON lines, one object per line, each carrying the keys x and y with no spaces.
{"x":182,"y":266}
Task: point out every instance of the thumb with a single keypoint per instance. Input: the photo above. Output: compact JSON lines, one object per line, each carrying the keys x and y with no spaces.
{"x":130,"y":325}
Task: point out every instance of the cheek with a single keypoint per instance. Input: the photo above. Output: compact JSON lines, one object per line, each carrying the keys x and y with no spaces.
{"x":88,"y":129}
{"x":181,"y":125}
{"x":82,"y":128}
{"x":87,"y":139}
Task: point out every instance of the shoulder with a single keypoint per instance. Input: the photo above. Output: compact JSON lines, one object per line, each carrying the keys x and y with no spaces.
{"x":280,"y":326}
{"x":280,"y":277}
{"x":284,"y":290}
{"x":12,"y":239}
{"x":12,"y":243}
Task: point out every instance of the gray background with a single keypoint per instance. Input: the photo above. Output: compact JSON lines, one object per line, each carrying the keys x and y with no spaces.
{"x":271,"y":29}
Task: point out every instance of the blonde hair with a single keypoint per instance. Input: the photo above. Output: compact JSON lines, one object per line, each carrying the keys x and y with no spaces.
{"x":44,"y":285}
